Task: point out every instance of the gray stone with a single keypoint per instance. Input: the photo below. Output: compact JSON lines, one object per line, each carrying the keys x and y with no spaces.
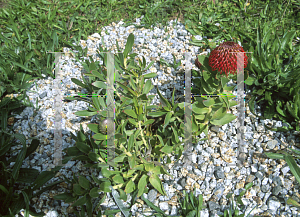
{"x":276,"y":190}
{"x":219,"y":173}
{"x":152,"y":195}
{"x":265,"y":188}
{"x":259,"y":175}
{"x":213,"y":205}
{"x":271,"y":144}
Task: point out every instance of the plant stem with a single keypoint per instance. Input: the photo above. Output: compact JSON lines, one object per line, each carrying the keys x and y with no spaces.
{"x":142,"y":134}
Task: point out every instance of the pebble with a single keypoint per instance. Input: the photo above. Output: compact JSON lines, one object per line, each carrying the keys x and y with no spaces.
{"x":210,"y":175}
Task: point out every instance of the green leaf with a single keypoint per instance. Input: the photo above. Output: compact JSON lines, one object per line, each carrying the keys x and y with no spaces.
{"x":297,"y":152}
{"x":118,"y":179}
{"x":27,"y":175}
{"x":42,"y":178}
{"x":167,"y":149}
{"x":76,"y":81}
{"x":198,"y":109}
{"x":151,"y":205}
{"x":21,"y":66}
{"x":129,"y":187}
{"x":131,"y":113}
{"x":206,"y":87}
{"x":142,"y":184}
{"x":155,"y":181}
{"x":248,"y":186}
{"x":120,"y":158}
{"x":279,"y":110}
{"x":291,"y":201}
{"x":274,"y":155}
{"x":148,"y":86}
{"x":19,"y":161}
{"x":287,"y":39}
{"x":167,"y":104}
{"x":128,"y":45}
{"x":132,"y":121}
{"x":2,"y":188}
{"x":268,"y":97}
{"x":80,"y":201}
{"x":209,"y":102}
{"x":73,"y":151}
{"x":123,"y":196}
{"x":132,"y":161}
{"x":99,"y":136}
{"x":77,"y":189}
{"x":224,"y":120}
{"x":167,"y":119}
{"x":293,"y":167}
{"x":89,"y":207}
{"x":200,"y":202}
{"x":219,"y":113}
{"x":129,"y":174}
{"x":85,"y":113}
{"x":84,"y":182}
{"x":93,"y":127}
{"x":293,"y":111}
{"x":63,"y":196}
{"x":105,"y":186}
{"x":107,"y":173}
{"x":100,"y":84}
{"x":150,"y":75}
{"x":148,"y":122}
{"x":94,"y":192}
{"x":148,"y":67}
{"x":83,"y":147}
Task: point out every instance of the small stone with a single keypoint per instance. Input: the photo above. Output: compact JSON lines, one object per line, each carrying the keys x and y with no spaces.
{"x":10,"y":121}
{"x":241,"y":184}
{"x":250,"y":178}
{"x":271,"y":144}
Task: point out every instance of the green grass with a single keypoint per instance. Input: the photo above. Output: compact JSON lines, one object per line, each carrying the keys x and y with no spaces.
{"x":37,"y":22}
{"x":35,"y":27}
{"x":75,"y":20}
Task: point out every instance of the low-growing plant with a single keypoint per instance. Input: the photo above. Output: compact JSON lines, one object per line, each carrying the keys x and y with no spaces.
{"x":144,"y":137}
{"x":12,"y":81}
{"x":191,"y":206}
{"x":174,"y":65}
{"x":203,"y":22}
{"x":275,"y":64}
{"x":234,"y":211}
{"x":289,"y":156}
{"x":213,"y":109}
{"x":13,"y":197}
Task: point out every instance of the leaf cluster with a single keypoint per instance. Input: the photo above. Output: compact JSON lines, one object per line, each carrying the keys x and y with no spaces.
{"x":19,"y":185}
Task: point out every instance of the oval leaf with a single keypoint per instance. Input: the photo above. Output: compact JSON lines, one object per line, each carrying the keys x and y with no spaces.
{"x":225,"y":120}
{"x":80,"y":201}
{"x":83,"y":182}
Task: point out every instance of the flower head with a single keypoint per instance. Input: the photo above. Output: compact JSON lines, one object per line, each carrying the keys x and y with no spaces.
{"x":221,"y":58}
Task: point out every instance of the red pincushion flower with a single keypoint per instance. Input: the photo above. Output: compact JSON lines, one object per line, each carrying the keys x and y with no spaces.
{"x":221,"y":58}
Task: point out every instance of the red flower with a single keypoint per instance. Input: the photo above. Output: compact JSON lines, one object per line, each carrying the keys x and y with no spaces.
{"x":221,"y":59}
